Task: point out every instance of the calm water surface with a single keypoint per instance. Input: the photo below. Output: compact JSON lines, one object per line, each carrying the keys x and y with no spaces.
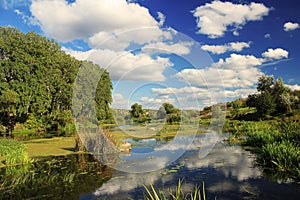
{"x":227,"y":172}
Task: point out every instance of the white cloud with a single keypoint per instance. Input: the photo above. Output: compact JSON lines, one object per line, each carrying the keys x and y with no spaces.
{"x":124,"y":65}
{"x":155,"y":103}
{"x":275,"y":54}
{"x":180,"y":48}
{"x":26,"y":19}
{"x":294,"y":87}
{"x":95,"y":21}
{"x":267,"y":36}
{"x":219,"y":49}
{"x":213,"y":19}
{"x":290,"y":26}
{"x":236,"y":61}
{"x":161,"y":18}
{"x":120,"y":102}
{"x":237,"y":71}
{"x":218,"y":78}
{"x":8,"y":4}
{"x":195,"y":97}
{"x":177,"y":91}
{"x":241,"y":166}
{"x":239,"y":93}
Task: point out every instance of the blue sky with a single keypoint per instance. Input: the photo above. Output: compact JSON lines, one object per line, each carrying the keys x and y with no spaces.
{"x":192,"y":53}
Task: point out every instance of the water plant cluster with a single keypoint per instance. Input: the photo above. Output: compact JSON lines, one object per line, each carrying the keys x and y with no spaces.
{"x":276,"y":144}
{"x":14,"y":152}
{"x":158,"y":194}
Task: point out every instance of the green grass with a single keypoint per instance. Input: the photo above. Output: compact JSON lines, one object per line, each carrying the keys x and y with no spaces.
{"x":50,"y":147}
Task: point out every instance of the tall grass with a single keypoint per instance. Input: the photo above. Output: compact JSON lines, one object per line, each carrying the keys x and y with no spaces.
{"x":178,"y":194}
{"x":14,"y":152}
{"x":281,"y":155}
{"x":277,"y":145}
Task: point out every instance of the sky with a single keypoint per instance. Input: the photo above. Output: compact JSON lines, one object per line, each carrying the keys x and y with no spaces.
{"x":191,"y":53}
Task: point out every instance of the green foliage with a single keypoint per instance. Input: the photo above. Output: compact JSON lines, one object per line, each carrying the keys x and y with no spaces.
{"x":235,"y":109}
{"x":265,"y":104}
{"x":14,"y":152}
{"x":277,"y":144}
{"x":8,"y":112}
{"x":38,"y":71}
{"x":265,"y":83}
{"x":36,"y":83}
{"x":178,"y":194}
{"x":103,"y":99}
{"x":274,"y":97}
{"x":251,"y":100}
{"x":172,"y":114}
{"x":138,"y":115}
{"x":283,"y":155}
{"x":136,"y":111}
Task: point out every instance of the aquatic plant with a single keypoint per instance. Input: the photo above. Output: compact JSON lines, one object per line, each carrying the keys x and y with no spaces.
{"x":14,"y":152}
{"x":277,"y":145}
{"x":284,"y":156}
{"x":178,"y":194}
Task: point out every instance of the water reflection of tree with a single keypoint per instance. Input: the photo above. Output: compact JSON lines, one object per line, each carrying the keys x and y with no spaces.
{"x":54,"y":178}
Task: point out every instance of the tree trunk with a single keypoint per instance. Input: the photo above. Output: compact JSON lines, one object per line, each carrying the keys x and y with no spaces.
{"x":79,"y":146}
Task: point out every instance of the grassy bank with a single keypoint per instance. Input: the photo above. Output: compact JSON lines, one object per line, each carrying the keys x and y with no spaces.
{"x":18,"y":152}
{"x":50,"y":147}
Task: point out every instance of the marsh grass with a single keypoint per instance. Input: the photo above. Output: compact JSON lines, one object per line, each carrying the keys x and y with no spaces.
{"x":277,"y":145}
{"x":177,"y":194}
{"x":14,"y":152}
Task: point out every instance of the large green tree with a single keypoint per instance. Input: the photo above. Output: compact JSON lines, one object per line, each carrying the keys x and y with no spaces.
{"x":273,"y":97}
{"x":138,"y":114}
{"x":42,"y":75}
{"x":8,"y":102}
{"x":173,"y":115}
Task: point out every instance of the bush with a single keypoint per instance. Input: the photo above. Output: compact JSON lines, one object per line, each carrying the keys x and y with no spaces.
{"x":14,"y":152}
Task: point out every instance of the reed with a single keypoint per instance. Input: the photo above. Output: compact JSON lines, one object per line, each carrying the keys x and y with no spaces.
{"x":178,"y":194}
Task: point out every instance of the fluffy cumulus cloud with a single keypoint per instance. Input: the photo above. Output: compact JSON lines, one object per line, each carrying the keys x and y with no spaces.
{"x":120,"y":102}
{"x":219,"y":49}
{"x":236,"y":71}
{"x":177,"y":91}
{"x":125,"y":65}
{"x":179,"y":48}
{"x":218,"y":78}
{"x":214,"y":19}
{"x":275,"y":54}
{"x":195,"y":97}
{"x":97,"y":21}
{"x":294,"y":87}
{"x":155,"y":103}
{"x":290,"y":26}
